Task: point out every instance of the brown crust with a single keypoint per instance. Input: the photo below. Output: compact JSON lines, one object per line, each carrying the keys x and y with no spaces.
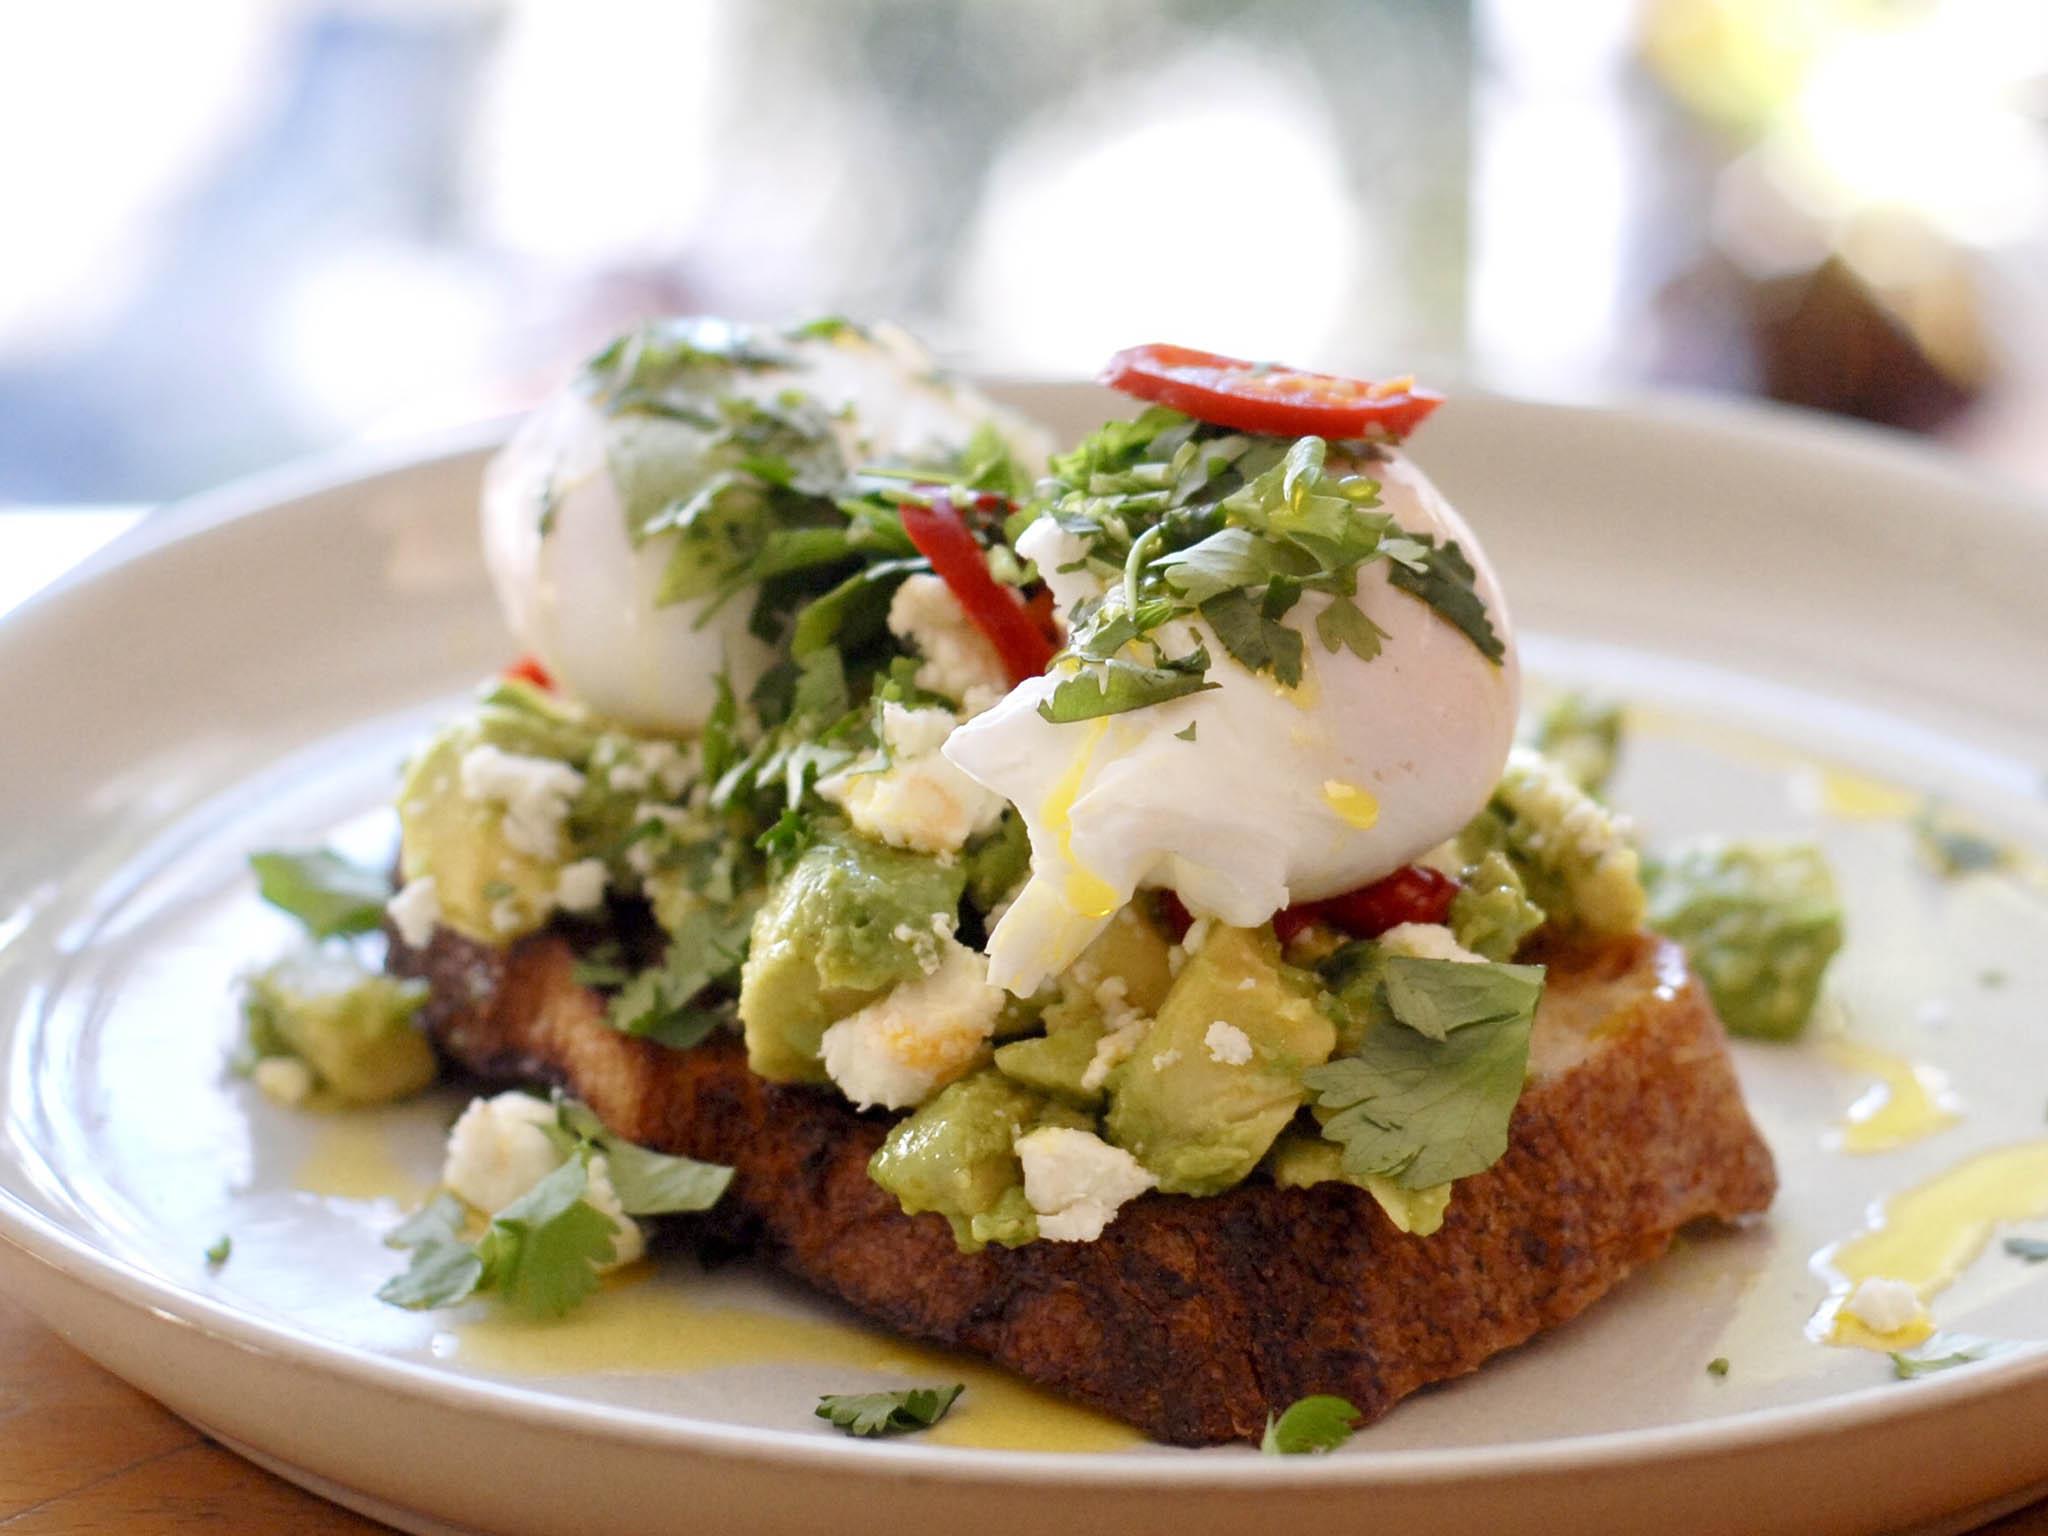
{"x":1190,"y":1318}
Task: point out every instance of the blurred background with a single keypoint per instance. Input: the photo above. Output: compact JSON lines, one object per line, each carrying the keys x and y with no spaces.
{"x":240,"y":231}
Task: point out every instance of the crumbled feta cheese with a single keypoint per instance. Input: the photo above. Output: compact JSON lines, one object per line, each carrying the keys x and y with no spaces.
{"x":1883,"y":1305}
{"x":580,"y":886}
{"x":534,"y":791}
{"x":1248,"y":984}
{"x":1112,"y":1050}
{"x":1228,"y":1045}
{"x":1166,"y":1058}
{"x":920,"y":800}
{"x":506,"y":917}
{"x":498,"y":1150}
{"x":958,"y":660}
{"x":668,"y":763}
{"x":283,"y":1080}
{"x":628,"y":778}
{"x":899,"y":1051}
{"x":1427,"y":941}
{"x":1197,"y":935}
{"x":1076,"y":1182}
{"x":415,"y":911}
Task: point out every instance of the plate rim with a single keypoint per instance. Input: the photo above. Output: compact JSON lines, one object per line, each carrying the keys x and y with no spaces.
{"x":35,"y":1237}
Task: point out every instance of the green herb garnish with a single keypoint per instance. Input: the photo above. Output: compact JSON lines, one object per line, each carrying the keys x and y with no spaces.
{"x":329,"y":894}
{"x":1718,"y":1366}
{"x":217,"y":1255}
{"x":1426,"y":1094}
{"x":2033,"y":1249}
{"x":888,"y":1413}
{"x":1311,"y":1427}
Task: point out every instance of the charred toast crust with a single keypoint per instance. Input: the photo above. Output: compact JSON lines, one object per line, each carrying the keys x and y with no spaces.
{"x":1189,"y":1318}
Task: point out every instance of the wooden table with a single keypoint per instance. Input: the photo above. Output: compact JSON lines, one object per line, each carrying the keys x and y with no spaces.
{"x":81,"y":1452}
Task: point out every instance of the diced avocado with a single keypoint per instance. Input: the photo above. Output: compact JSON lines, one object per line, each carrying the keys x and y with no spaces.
{"x":1582,"y":735}
{"x":352,"y":1026}
{"x":850,"y":920}
{"x":1573,"y":856}
{"x":1129,"y":964}
{"x":1197,"y":1119}
{"x":1056,"y":1062}
{"x":1492,"y":912}
{"x":997,"y":865}
{"x":1760,"y":923}
{"x":1300,"y":1160}
{"x":957,"y":1156}
{"x":488,"y":889}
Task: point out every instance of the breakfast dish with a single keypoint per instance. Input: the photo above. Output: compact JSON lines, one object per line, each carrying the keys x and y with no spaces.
{"x":1827,"y":694}
{"x":1086,"y":910}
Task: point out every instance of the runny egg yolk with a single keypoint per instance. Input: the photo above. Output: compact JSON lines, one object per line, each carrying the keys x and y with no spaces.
{"x":1908,"y":1102}
{"x":1356,"y":806}
{"x":1928,"y":1235}
{"x":1086,"y":892}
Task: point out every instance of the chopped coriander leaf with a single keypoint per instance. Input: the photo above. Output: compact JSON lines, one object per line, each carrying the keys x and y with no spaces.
{"x":1187,"y":734}
{"x":1991,"y":981}
{"x":647,"y":1183}
{"x":1442,"y":1050}
{"x":1953,"y":847}
{"x":217,"y":1255}
{"x":1311,"y":1427}
{"x":888,"y":1413}
{"x":1447,"y":584}
{"x":1114,"y":687}
{"x":1924,"y":1364}
{"x":2033,"y":1249}
{"x":330,"y":895}
{"x":1718,"y":1366}
{"x":543,"y":1251}
{"x":664,"y":1002}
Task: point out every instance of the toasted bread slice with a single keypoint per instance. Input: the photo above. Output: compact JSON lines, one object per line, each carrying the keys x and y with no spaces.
{"x":1189,"y":1318}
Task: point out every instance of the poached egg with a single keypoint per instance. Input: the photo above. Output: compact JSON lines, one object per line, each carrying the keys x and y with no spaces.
{"x":1248,"y":797}
{"x":581,"y":596}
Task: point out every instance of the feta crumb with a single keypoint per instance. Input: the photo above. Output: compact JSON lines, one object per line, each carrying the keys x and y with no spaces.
{"x":1076,"y":1182}
{"x":1228,"y":1044}
{"x":1111,"y":1051}
{"x":1883,"y":1305}
{"x":534,"y":792}
{"x":628,"y":778}
{"x":898,"y":1051}
{"x":667,"y":763}
{"x":1166,"y":1058}
{"x":415,"y":911}
{"x":506,"y":916}
{"x":1197,"y":935}
{"x":283,"y":1080}
{"x":920,"y":800}
{"x":580,"y":886}
{"x":958,"y":660}
{"x":498,"y":1150}
{"x":1249,"y":984}
{"x":1427,"y":941}
{"x":1176,"y":957}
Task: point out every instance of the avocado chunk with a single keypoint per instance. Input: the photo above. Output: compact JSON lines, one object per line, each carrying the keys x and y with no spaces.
{"x":1574,"y":857}
{"x":1184,"y":1104}
{"x":1581,"y":734}
{"x":957,"y":1156}
{"x":1759,"y":921}
{"x":353,"y":1027}
{"x":851,"y":919}
{"x":1122,"y":976}
{"x":488,"y":889}
{"x":1300,"y":1160}
{"x":1492,"y":912}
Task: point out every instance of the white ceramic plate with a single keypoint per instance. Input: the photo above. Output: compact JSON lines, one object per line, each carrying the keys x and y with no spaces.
{"x":1807,"y":614}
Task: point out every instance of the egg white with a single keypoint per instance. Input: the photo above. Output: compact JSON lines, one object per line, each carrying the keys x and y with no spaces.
{"x":1261,"y":809}
{"x":581,"y":597}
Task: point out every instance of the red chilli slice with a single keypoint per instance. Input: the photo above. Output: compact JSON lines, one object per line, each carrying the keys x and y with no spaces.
{"x":942,"y":537}
{"x":1268,"y":398}
{"x":527,"y":669}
